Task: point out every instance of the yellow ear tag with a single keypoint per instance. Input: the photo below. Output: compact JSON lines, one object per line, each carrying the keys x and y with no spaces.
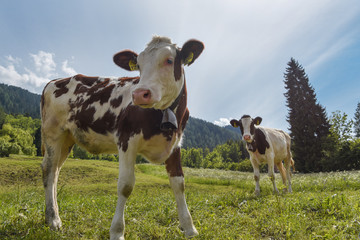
{"x":189,"y":58}
{"x":257,"y":122}
{"x":133,"y":66}
{"x":235,"y":125}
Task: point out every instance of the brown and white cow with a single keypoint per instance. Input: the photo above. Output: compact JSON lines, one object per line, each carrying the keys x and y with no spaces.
{"x":268,"y":145}
{"x":143,"y":115}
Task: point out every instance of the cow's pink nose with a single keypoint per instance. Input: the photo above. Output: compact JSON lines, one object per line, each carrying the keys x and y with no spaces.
{"x":141,"y":97}
{"x":247,"y":137}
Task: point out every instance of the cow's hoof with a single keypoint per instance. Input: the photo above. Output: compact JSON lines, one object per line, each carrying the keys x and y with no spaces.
{"x":117,"y":236}
{"x":191,"y":233}
{"x":55,"y":224}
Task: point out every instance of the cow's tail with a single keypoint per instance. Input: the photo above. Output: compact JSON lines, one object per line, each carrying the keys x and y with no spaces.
{"x":42,"y":114}
{"x":292,"y":162}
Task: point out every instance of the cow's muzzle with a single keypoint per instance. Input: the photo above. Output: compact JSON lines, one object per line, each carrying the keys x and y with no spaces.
{"x":142,"y":97}
{"x":247,"y":138}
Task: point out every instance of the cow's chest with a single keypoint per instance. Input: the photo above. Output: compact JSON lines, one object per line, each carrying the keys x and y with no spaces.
{"x":158,"y":148}
{"x":258,"y":157}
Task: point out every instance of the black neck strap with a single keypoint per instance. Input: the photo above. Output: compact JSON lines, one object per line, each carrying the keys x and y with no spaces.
{"x":169,"y":121}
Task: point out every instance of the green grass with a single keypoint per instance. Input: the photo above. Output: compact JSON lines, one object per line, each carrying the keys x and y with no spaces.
{"x":222,"y":203}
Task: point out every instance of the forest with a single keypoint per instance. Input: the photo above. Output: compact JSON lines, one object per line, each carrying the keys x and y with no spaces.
{"x":320,"y":141}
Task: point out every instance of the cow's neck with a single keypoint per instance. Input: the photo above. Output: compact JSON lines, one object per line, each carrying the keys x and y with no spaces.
{"x":259,"y":142}
{"x":251,"y":146}
{"x":169,"y":121}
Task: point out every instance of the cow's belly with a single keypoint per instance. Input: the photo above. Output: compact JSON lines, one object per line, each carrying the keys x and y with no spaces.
{"x":95,"y":143}
{"x":157,"y":149}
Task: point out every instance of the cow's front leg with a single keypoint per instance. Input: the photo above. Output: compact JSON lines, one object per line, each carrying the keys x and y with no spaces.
{"x":177,"y":183}
{"x":126,"y":184}
{"x":256,"y":168}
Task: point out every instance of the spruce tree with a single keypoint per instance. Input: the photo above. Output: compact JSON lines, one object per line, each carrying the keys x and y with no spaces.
{"x":309,"y":127}
{"x":357,"y":121}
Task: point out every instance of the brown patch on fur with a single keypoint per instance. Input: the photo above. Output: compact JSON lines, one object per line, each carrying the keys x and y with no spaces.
{"x":104,"y":124}
{"x":124,"y":80}
{"x":173,"y":164}
{"x":133,"y":120}
{"x":116,"y":102}
{"x":83,"y":118}
{"x":85,"y":80}
{"x":126,"y":191}
{"x":177,"y":66}
{"x":61,"y":85}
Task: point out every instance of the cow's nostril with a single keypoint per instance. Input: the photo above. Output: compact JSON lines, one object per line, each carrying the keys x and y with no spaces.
{"x":141,"y":97}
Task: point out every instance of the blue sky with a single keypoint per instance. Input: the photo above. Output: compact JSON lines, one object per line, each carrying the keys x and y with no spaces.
{"x":247,"y":47}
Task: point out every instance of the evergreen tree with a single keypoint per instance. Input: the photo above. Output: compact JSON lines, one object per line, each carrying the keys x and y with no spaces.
{"x":37,"y":141}
{"x":357,"y":121}
{"x":309,"y":126}
{"x":341,"y":127}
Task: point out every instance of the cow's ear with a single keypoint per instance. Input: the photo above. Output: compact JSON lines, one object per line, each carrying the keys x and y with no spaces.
{"x":235,"y":123}
{"x":191,"y":51}
{"x":257,"y":120}
{"x":127,"y":60}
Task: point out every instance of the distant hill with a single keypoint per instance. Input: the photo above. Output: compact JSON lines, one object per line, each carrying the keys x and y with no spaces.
{"x":235,"y":130}
{"x":198,"y":133}
{"x":16,"y":100}
{"x":201,"y":134}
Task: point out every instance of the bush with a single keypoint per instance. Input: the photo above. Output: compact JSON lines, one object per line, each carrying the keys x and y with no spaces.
{"x":245,"y":166}
{"x":7,"y":147}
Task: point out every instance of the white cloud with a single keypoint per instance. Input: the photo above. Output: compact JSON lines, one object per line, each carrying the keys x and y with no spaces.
{"x":67,"y":70}
{"x":11,"y":59}
{"x":222,"y":122}
{"x":44,"y":63}
{"x":32,"y":78}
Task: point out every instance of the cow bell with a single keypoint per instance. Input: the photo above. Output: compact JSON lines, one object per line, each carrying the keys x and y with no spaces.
{"x":169,"y":121}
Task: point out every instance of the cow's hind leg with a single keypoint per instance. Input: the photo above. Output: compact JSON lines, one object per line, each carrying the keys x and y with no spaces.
{"x":126,"y":184}
{"x":282,"y":171}
{"x":56,"y":152}
{"x":177,"y":183}
{"x":271,"y":174}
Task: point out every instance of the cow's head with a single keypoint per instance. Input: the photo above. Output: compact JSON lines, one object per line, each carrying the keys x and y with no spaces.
{"x":161,"y":70}
{"x":247,"y":126}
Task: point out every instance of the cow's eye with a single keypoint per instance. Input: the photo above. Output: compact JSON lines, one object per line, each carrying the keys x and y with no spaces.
{"x":169,"y":61}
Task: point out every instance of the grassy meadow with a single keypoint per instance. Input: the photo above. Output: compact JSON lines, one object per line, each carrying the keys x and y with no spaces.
{"x":222,"y":203}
